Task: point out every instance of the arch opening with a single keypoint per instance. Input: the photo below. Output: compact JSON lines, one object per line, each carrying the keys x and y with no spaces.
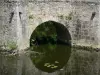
{"x":50,"y":43}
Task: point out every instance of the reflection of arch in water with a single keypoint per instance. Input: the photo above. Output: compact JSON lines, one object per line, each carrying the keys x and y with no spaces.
{"x":51,"y":43}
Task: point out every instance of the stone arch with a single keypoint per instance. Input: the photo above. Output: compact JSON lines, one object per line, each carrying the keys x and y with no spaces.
{"x":51,"y":46}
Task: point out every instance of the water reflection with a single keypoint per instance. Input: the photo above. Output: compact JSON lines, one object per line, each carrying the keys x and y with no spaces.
{"x":81,"y":61}
{"x":51,"y":59}
{"x":51,"y":43}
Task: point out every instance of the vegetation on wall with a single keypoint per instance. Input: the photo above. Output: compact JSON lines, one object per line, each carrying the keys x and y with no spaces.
{"x":30,"y":16}
{"x":11,"y":45}
{"x":66,"y":17}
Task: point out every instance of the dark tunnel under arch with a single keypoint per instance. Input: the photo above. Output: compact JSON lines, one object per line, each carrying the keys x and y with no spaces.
{"x":51,"y":46}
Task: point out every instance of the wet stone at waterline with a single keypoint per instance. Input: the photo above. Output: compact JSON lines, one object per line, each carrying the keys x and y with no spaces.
{"x":50,"y":45}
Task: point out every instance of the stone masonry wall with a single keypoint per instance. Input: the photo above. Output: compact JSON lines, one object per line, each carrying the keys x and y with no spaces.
{"x":74,"y":14}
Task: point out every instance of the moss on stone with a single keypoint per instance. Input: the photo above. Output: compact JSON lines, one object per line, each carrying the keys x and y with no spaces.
{"x":11,"y":45}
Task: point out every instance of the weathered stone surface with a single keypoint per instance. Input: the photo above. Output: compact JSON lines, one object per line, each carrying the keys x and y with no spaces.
{"x":76,"y":15}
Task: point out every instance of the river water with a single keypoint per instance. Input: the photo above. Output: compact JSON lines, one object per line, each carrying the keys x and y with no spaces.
{"x":81,"y":62}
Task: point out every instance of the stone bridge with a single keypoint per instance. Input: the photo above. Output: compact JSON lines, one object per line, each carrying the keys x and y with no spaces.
{"x":19,"y":18}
